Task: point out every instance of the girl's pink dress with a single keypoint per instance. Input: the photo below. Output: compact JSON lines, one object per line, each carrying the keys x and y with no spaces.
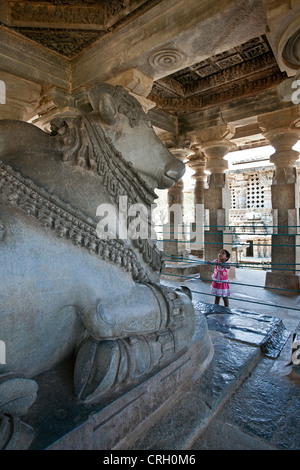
{"x":220,"y":289}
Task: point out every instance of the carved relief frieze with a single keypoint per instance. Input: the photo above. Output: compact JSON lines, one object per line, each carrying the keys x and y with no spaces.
{"x":220,"y":95}
{"x":69,"y":26}
{"x":245,"y":69}
{"x":64,"y":42}
{"x":235,"y":72}
{"x":171,"y":85}
{"x":230,"y":61}
{"x":224,"y":77}
{"x":98,"y":14}
{"x":33,"y":15}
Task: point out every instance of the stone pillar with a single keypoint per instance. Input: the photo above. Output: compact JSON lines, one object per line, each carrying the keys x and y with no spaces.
{"x":197,"y":162}
{"x":280,"y":131}
{"x":18,"y":97}
{"x":215,"y":145}
{"x":174,"y":244}
{"x":217,"y":198}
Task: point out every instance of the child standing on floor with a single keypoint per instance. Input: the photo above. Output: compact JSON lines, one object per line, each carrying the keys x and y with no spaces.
{"x":220,"y":285}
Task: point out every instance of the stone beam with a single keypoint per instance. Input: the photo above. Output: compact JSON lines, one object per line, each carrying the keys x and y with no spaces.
{"x":163,"y":121}
{"x":158,"y":47}
{"x":243,"y":109}
{"x":25,"y":59}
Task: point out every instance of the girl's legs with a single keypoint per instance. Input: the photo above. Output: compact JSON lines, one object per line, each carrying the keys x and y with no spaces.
{"x":217,"y":300}
{"x":226,"y":301}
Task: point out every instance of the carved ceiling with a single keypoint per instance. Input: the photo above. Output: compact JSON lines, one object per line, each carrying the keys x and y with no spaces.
{"x":70,"y":26}
{"x":244,"y":70}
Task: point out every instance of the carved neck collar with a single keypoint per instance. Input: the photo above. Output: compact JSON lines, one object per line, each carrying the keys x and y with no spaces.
{"x":71,"y":224}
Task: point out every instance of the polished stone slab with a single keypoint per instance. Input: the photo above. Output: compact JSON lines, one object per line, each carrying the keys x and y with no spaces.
{"x":264,"y":331}
{"x":243,"y":401}
{"x":180,"y":427}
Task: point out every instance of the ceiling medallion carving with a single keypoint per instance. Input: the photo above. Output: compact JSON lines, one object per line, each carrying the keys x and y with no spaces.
{"x":167,"y":59}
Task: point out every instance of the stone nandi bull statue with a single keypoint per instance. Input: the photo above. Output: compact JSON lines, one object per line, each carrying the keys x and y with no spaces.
{"x":64,"y":289}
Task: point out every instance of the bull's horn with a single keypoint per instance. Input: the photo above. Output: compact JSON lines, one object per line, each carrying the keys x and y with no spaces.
{"x":108,"y":109}
{"x":102,"y":100}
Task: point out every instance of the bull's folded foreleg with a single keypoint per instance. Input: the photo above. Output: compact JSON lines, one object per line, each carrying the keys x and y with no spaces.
{"x":17,"y":394}
{"x":139,"y":343}
{"x":146,"y":309}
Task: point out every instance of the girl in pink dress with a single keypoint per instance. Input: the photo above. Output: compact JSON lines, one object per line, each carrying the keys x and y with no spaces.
{"x":220,"y":285}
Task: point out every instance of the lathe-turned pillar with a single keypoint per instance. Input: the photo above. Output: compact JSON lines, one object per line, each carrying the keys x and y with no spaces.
{"x":197,"y":162}
{"x":18,"y":97}
{"x":279,"y":128}
{"x":174,"y":232}
{"x":215,"y":145}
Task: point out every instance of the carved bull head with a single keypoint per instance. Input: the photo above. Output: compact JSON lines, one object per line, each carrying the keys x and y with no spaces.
{"x":133,"y":136}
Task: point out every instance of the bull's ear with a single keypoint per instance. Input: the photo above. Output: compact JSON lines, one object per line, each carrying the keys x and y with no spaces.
{"x":108,"y":109}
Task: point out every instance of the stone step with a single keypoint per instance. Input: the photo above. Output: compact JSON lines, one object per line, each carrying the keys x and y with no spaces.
{"x":240,"y":341}
{"x":180,"y":427}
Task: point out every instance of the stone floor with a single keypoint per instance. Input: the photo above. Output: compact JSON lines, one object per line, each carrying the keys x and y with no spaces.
{"x":249,"y":396}
{"x":246,"y":399}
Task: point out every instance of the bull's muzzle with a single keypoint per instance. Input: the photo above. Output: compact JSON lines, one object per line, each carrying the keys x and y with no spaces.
{"x":172,"y":173}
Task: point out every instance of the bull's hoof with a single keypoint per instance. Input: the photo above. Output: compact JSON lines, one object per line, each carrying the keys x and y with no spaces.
{"x":17,"y":394}
{"x":14,"y":434}
{"x":96,"y":368}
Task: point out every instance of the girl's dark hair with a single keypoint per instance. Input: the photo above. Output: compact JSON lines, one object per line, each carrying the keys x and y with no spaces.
{"x":227,"y":254}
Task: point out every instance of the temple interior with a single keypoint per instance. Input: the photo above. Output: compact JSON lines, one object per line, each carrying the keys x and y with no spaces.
{"x":220,"y":83}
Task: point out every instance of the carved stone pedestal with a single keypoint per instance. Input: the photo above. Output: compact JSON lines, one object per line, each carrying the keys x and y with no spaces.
{"x":63,"y":422}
